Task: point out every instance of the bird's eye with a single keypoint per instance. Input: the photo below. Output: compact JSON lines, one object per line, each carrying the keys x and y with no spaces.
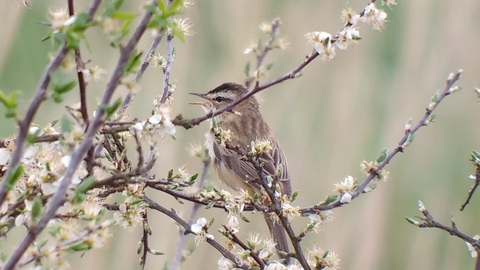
{"x":219,"y":99}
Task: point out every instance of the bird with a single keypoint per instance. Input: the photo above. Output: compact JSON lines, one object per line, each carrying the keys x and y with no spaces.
{"x":245,"y":124}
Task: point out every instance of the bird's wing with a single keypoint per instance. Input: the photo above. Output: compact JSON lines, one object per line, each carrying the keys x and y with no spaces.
{"x":246,"y":170}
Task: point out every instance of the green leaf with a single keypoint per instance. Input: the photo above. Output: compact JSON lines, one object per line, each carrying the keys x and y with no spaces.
{"x":210,"y":205}
{"x":72,"y":40}
{"x":10,"y":103}
{"x":11,"y":113}
{"x":269,"y":66}
{"x":112,"y":109}
{"x":192,"y":179}
{"x":64,"y":87}
{"x":294,"y":195}
{"x":81,"y":246}
{"x":178,"y":33}
{"x":382,"y":156}
{"x":66,"y":125}
{"x":85,"y":185}
{"x":54,"y":122}
{"x":244,"y":218}
{"x":330,"y":199}
{"x":170,"y":175}
{"x":161,"y":5}
{"x":112,"y":7}
{"x":14,"y":176}
{"x":122,"y":15}
{"x":173,"y":8}
{"x":132,"y":62}
{"x":80,"y":23}
{"x":36,"y":208}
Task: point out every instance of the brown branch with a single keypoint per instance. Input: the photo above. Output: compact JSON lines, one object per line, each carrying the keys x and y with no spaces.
{"x":189,"y":123}
{"x":239,"y":242}
{"x":80,"y":77}
{"x":373,"y":173}
{"x":173,"y":215}
{"x":141,"y":71}
{"x":166,"y":70}
{"x":475,"y":185}
{"x":121,"y":127}
{"x":83,"y":93}
{"x":145,"y":234}
{"x":427,"y":221}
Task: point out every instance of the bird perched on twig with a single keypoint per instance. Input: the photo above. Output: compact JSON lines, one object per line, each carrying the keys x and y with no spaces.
{"x":245,"y":124}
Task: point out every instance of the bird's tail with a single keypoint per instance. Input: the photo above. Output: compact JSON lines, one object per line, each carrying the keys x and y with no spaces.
{"x":279,"y":235}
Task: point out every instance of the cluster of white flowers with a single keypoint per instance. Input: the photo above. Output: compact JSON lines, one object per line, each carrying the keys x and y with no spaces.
{"x":320,"y":259}
{"x":345,"y":188}
{"x":234,"y":206}
{"x":289,"y":211}
{"x":94,"y":73}
{"x":58,"y":18}
{"x":200,"y":229}
{"x":44,"y":165}
{"x":157,"y":126}
{"x":372,"y":166}
{"x":325,"y":44}
{"x":260,"y":147}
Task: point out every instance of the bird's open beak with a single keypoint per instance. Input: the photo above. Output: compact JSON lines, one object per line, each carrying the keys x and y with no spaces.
{"x":202,"y":103}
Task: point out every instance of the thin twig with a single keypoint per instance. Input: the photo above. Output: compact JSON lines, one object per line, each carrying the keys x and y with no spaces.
{"x":373,"y":173}
{"x":474,"y":187}
{"x":177,"y":258}
{"x":141,"y":71}
{"x":166,"y":70}
{"x":268,"y":47}
{"x":277,"y":209}
{"x":173,"y":215}
{"x":239,"y":242}
{"x":80,"y":77}
{"x":187,"y":124}
{"x":81,"y":236}
{"x":145,"y":234}
{"x":427,"y":221}
{"x":121,"y":127}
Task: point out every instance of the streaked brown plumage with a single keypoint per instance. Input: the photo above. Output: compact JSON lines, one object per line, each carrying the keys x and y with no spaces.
{"x":246,"y":125}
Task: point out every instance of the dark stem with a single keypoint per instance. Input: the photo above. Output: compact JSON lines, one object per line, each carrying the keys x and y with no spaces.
{"x":474,"y":187}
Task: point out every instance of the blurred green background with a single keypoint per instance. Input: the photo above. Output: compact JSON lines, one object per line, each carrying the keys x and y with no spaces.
{"x":337,"y":114}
